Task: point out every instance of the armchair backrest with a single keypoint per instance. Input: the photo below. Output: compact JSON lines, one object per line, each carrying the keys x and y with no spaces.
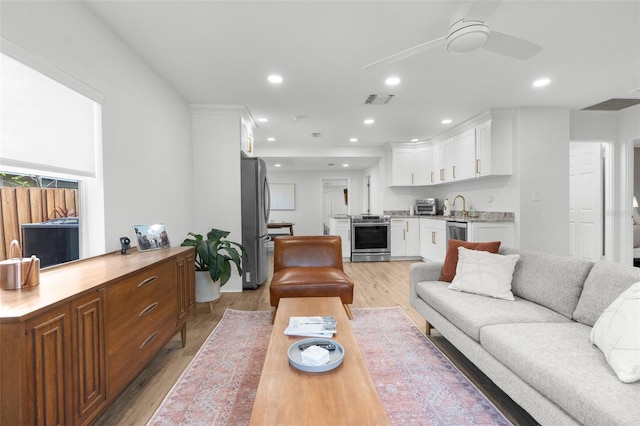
{"x":307,"y":251}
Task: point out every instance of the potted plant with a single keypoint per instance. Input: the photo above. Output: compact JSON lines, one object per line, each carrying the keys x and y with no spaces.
{"x":214,"y":258}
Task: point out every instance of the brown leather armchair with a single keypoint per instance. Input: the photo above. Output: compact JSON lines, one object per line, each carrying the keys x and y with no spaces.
{"x":309,"y":266}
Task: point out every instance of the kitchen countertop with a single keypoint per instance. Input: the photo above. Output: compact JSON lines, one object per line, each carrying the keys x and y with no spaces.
{"x":457,"y":217}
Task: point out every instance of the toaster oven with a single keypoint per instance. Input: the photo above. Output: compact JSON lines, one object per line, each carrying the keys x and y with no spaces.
{"x":428,"y":206}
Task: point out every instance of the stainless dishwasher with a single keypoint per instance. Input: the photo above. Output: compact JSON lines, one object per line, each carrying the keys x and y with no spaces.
{"x":456,"y":231}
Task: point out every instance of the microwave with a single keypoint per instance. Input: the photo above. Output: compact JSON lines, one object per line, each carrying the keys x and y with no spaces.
{"x":428,"y":206}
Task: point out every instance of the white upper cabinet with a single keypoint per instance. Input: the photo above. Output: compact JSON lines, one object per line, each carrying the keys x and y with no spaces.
{"x":411,"y":165}
{"x":439,"y":160}
{"x":464,"y":155}
{"x":402,"y":166}
{"x":494,"y":147}
{"x":423,"y":166}
{"x":482,"y":146}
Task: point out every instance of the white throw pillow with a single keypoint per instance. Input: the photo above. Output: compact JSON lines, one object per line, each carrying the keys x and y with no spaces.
{"x":484,"y":273}
{"x":617,"y":334}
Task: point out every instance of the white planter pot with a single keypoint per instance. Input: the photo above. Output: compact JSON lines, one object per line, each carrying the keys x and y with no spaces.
{"x":206,"y":289}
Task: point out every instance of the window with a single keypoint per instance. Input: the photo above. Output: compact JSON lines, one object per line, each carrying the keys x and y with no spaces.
{"x":51,"y":157}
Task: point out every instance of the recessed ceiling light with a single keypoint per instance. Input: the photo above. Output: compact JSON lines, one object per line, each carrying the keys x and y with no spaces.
{"x":345,"y":165}
{"x":277,"y":165}
{"x":369,"y":121}
{"x":446,"y":121}
{"x":414,"y":140}
{"x":541,"y":82}
{"x":263,"y":120}
{"x":392,"y":81}
{"x":275,"y":79}
{"x":353,"y":140}
{"x":271,"y":139}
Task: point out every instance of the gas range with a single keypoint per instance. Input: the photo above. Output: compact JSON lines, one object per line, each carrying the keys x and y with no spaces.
{"x":370,"y":238}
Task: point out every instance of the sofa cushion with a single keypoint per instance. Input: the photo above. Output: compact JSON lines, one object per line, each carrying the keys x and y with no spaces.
{"x":451,"y":258}
{"x":617,"y":334}
{"x":470,"y":312}
{"x":549,"y":280}
{"x":484,"y":273}
{"x":605,"y":283}
{"x":558,"y":360}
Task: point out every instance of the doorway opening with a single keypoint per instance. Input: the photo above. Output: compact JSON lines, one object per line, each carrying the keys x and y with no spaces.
{"x":335,"y":200}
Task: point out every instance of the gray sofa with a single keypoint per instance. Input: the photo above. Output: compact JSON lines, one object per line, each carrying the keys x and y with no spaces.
{"x":537,"y":348}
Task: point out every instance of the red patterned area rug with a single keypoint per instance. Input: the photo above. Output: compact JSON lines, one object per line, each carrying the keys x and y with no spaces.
{"x":417,"y":384}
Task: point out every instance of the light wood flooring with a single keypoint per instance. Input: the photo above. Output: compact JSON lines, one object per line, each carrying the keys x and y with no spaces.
{"x":377,"y":284}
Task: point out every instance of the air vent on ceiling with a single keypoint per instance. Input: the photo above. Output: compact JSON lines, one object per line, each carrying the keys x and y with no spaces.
{"x":316,"y":134}
{"x":378,"y":99}
{"x":613,"y":105}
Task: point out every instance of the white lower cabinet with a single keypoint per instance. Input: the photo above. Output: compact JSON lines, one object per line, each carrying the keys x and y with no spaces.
{"x":433,"y":242}
{"x":492,"y":231}
{"x":342,"y":227}
{"x":405,"y":237}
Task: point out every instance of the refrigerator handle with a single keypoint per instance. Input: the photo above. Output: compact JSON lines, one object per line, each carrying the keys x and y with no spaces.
{"x":267,"y":199}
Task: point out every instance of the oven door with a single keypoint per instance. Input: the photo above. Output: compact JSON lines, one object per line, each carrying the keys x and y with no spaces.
{"x":370,"y":242}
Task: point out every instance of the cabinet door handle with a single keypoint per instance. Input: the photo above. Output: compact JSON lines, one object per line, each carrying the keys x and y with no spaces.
{"x":433,"y":237}
{"x":432,"y":176}
{"x":147,"y":281}
{"x":148,"y":340}
{"x":148,"y":309}
{"x":453,"y":172}
{"x":478,"y":166}
{"x":411,"y":177}
{"x":404,"y":234}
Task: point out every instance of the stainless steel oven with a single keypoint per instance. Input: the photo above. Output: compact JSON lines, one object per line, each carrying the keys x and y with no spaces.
{"x":370,"y":238}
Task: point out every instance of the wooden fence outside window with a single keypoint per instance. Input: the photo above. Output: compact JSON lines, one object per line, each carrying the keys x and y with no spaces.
{"x":31,"y":205}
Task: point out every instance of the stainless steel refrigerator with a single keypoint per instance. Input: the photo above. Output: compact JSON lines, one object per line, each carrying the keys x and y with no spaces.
{"x":255,"y":215}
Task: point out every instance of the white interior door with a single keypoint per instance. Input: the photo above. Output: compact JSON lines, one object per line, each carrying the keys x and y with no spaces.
{"x":586,"y":199}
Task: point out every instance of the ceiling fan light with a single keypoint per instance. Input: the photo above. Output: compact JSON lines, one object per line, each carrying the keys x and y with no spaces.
{"x":467,"y":36}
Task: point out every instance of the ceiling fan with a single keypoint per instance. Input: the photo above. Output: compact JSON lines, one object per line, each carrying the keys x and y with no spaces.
{"x":467,"y":32}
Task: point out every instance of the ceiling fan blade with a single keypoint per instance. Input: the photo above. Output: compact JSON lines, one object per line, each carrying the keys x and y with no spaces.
{"x":508,"y":45}
{"x":478,"y":10}
{"x":423,"y":47}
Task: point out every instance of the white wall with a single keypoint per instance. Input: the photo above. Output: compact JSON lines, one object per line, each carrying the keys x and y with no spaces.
{"x":146,"y":125}
{"x":543,"y":168}
{"x":308,"y":213}
{"x":216,"y":178}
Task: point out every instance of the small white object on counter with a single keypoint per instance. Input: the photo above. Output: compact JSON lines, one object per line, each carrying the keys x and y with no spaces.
{"x":315,"y":355}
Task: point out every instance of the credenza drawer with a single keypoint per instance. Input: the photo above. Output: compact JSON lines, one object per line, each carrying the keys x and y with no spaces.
{"x":141,"y":311}
{"x":129,"y":297}
{"x":130,"y":354}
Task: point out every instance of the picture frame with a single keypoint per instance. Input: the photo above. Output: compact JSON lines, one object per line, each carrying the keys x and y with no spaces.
{"x":283,"y":196}
{"x":151,"y":237}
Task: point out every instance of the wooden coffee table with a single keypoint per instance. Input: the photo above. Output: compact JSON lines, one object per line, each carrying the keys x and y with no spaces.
{"x":343,"y":396}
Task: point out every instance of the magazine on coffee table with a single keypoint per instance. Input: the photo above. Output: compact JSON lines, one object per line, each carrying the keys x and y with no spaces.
{"x":311,"y":326}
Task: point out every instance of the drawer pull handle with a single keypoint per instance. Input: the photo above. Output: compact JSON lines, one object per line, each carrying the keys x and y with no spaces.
{"x":148,"y":309}
{"x":149,"y":340}
{"x":147,"y":281}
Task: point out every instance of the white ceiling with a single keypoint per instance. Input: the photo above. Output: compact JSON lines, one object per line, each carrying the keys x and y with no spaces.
{"x":221,"y":52}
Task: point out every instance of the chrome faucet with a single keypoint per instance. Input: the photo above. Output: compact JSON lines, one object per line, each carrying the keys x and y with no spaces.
{"x":464,"y":204}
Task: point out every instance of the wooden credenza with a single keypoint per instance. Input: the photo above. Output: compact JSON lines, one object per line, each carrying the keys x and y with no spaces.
{"x":69,"y":346}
